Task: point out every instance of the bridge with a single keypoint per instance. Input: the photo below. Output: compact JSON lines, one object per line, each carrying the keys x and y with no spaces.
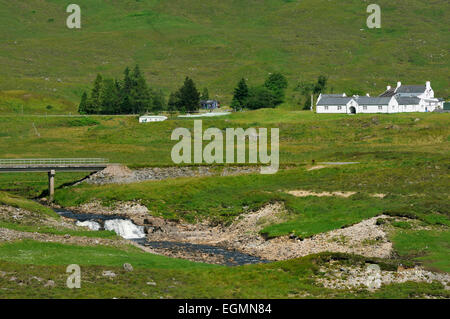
{"x":51,"y":166}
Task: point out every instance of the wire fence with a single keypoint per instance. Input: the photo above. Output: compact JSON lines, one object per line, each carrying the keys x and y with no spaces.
{"x":53,"y":161}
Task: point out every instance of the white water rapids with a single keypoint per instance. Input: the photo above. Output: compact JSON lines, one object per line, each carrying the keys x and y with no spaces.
{"x":90,"y":224}
{"x":125,"y":228}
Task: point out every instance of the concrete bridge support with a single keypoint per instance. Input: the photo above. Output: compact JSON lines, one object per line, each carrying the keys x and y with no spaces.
{"x":51,"y":184}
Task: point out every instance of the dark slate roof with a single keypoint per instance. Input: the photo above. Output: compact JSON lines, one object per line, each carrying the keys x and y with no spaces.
{"x":408,"y":100}
{"x":411,"y":89}
{"x":332,"y":95}
{"x":367,"y":100}
{"x":341,"y":100}
{"x":388,"y":93}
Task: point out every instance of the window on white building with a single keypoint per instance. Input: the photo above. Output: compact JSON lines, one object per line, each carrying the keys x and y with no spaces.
{"x":339,"y":108}
{"x":380,"y":108}
{"x":364,"y":107}
{"x":326,"y":108}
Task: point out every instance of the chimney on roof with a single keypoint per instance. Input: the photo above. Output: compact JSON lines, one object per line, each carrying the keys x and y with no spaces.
{"x":399,"y":84}
{"x":428,"y":84}
{"x":388,"y":88}
{"x":367,"y":94}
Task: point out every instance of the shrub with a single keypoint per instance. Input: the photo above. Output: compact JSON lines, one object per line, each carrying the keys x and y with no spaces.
{"x":83,"y":121}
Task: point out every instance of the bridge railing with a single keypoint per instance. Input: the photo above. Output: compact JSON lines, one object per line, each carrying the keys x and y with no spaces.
{"x":53,"y":161}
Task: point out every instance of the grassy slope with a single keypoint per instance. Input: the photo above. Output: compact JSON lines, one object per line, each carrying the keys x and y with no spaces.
{"x":23,"y":102}
{"x":217,"y":42}
{"x":39,"y":253}
{"x":178,"y":278}
{"x":20,"y":202}
{"x":426,"y":246}
{"x":303,"y":136}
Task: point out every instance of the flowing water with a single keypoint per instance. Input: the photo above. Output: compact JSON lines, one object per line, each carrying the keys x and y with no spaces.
{"x":125,"y":228}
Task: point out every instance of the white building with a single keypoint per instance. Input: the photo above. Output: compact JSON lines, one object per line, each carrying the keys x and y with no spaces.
{"x":152,"y":118}
{"x":403,"y":98}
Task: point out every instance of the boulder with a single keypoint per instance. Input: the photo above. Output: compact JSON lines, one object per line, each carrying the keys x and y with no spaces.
{"x":127,"y":267}
{"x":108,"y":273}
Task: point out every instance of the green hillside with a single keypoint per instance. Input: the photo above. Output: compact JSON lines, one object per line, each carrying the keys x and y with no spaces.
{"x":217,"y":42}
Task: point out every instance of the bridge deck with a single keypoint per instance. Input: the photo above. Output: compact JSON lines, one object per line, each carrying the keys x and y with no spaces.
{"x":46,"y":165}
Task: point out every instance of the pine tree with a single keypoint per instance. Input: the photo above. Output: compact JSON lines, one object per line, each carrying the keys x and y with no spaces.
{"x":174,"y":101}
{"x":125,"y":92}
{"x":140,"y":93}
{"x":240,"y":95}
{"x":158,"y":101}
{"x":277,"y":83}
{"x":189,"y":96}
{"x":83,"y":107}
{"x":109,"y":97}
{"x":118,"y":102}
{"x":321,"y":84}
{"x":94,"y":105}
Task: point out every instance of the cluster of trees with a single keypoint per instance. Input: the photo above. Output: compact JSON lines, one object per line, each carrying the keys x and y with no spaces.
{"x":132,"y":95}
{"x":307,"y":89}
{"x":269,"y":95}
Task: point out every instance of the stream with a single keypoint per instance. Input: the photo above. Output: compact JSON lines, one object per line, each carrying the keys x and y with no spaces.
{"x":125,"y":228}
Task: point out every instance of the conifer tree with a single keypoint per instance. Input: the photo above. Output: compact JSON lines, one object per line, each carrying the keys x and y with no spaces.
{"x":158,"y":101}
{"x":321,"y":84}
{"x":189,"y":96}
{"x":240,"y":95}
{"x":83,"y":107}
{"x":125,"y":92}
{"x":95,"y":102}
{"x":140,"y":93}
{"x":277,"y":83}
{"x":174,"y":101}
{"x":109,"y":97}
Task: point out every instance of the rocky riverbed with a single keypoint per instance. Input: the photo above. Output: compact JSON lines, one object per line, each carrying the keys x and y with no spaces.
{"x":367,"y":238}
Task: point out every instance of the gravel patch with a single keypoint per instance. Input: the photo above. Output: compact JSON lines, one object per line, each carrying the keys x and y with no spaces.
{"x":117,"y":174}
